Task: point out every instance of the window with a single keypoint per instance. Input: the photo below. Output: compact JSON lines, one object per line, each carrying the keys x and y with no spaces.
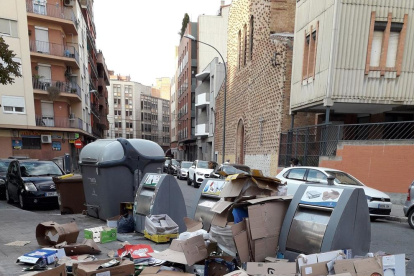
{"x":316,"y":176}
{"x":117,"y":112}
{"x":129,"y":125}
{"x":117,"y":101}
{"x":239,"y":52}
{"x":386,"y":45}
{"x":118,"y":124}
{"x":309,"y":52}
{"x":251,"y":36}
{"x":13,"y":105}
{"x":245,"y":45}
{"x":129,"y":136}
{"x":31,"y":143}
{"x":8,"y":27}
{"x":297,"y":174}
{"x":128,"y":113}
{"x":126,"y":101}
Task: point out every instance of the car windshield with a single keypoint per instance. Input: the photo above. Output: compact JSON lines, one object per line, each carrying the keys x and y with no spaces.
{"x":344,"y":178}
{"x":167,"y":162}
{"x":234,"y":170}
{"x":175,"y":163}
{"x":28,"y":169}
{"x":203,"y":165}
{"x":185,"y":165}
{"x":4,"y":165}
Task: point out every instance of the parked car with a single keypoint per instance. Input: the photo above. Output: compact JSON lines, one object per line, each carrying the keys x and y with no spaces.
{"x":173,"y":166}
{"x":379,"y":203}
{"x":229,"y":169}
{"x":409,"y":206}
{"x":182,"y":172}
{"x":166,"y":164}
{"x":4,"y":165}
{"x":30,"y":183}
{"x":200,"y":170}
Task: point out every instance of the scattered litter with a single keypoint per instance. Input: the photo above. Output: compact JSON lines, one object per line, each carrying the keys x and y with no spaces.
{"x":18,"y":243}
{"x":111,"y":254}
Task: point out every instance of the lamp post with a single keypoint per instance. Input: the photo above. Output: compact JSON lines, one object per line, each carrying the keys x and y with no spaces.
{"x":225,"y":92}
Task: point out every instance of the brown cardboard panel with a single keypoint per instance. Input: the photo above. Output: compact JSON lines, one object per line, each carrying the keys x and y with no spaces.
{"x":369,"y":266}
{"x":241,"y":240}
{"x":91,"y":268}
{"x":270,"y":198}
{"x":345,"y":266}
{"x":152,"y":271}
{"x":274,"y":260}
{"x":318,"y":269}
{"x":265,"y":247}
{"x":86,"y":247}
{"x":221,"y":206}
{"x":237,"y":273}
{"x":343,"y":274}
{"x":67,"y":233}
{"x":267,"y":219}
{"x":220,"y":219}
{"x":192,"y":225}
{"x":249,"y":237}
{"x":262,"y":269}
{"x":233,"y":188}
{"x":57,"y":271}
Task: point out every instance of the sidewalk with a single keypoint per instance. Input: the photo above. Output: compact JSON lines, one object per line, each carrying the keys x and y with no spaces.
{"x":397,"y":214}
{"x":20,"y":225}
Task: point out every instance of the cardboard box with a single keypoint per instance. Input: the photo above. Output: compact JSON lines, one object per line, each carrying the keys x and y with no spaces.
{"x":57,"y":271}
{"x":241,"y":240}
{"x":138,"y":251}
{"x":219,"y":266}
{"x":318,"y":269}
{"x":69,"y":261}
{"x":345,"y":266}
{"x":155,"y":271}
{"x":262,"y":269}
{"x":46,"y":256}
{"x":67,"y":233}
{"x":368,"y":267}
{"x":113,"y":222}
{"x":86,"y":247}
{"x":393,"y":263}
{"x":91,"y":268}
{"x":186,"y":252}
{"x":237,"y":273}
{"x":101,"y":234}
{"x":319,"y":258}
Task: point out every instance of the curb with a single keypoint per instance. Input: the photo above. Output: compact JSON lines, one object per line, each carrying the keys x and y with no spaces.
{"x":397,"y":219}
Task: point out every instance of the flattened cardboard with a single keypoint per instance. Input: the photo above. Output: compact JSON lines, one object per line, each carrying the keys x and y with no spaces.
{"x":36,"y":256}
{"x":234,"y":187}
{"x":241,"y":240}
{"x":267,"y":219}
{"x":192,"y":225}
{"x":249,"y":237}
{"x":369,"y":266}
{"x":186,"y":252}
{"x":56,"y":271}
{"x":270,"y":198}
{"x":67,"y":233}
{"x":345,"y":266}
{"x":155,"y":271}
{"x":274,"y":260}
{"x":318,"y":269}
{"x":315,"y":258}
{"x":91,"y":268}
{"x":237,"y":273}
{"x":220,"y":206}
{"x":265,"y":247}
{"x":86,"y":247}
{"x":220,"y":219}
{"x":262,"y":269}
{"x":343,"y":274}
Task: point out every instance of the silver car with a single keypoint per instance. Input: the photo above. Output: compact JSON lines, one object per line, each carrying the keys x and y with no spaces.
{"x":409,"y":206}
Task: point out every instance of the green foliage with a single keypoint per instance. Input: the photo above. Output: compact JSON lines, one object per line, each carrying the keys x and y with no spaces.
{"x":186,"y":20}
{"x":9,"y":69}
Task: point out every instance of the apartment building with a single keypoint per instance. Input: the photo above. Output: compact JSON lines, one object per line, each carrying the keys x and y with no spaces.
{"x":173,"y":111}
{"x":212,"y":29}
{"x":186,"y":85}
{"x":43,"y":119}
{"x":352,"y":66}
{"x":163,"y":85}
{"x":135,"y":113}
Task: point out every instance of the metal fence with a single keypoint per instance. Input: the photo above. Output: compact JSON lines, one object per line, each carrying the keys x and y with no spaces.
{"x":309,"y":143}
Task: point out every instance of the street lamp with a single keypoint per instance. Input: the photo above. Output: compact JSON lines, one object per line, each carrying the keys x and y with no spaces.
{"x":225,"y":91}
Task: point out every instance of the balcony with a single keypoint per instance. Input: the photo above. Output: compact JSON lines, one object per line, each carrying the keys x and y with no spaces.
{"x":54,"y":51}
{"x":66,"y":89}
{"x":59,"y":122}
{"x":53,"y":13}
{"x":202,"y":99}
{"x":95,"y":110}
{"x":93,"y":66}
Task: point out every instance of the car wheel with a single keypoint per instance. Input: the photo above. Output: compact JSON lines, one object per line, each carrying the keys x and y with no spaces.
{"x":373,"y":219}
{"x":188,"y":180}
{"x":22,"y":202}
{"x":8,"y":198}
{"x":195,"y":182}
{"x":411,"y":218}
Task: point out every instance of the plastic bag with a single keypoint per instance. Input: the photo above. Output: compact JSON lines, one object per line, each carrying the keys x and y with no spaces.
{"x":126,"y":224}
{"x":224,"y":238}
{"x":187,"y":235}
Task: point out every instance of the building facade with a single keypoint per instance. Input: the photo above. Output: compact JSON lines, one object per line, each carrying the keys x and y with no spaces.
{"x":135,"y":113}
{"x":164,"y":87}
{"x":186,"y":84}
{"x":211,"y":81}
{"x":173,"y":111}
{"x":259,"y":58}
{"x":353,"y":66}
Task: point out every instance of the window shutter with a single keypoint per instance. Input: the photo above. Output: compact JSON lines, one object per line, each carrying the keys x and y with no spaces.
{"x":376,"y":48}
{"x":5,"y":26}
{"x":392,"y":49}
{"x":13,"y":101}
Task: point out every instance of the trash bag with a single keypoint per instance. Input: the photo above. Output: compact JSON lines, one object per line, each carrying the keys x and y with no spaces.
{"x":126,"y":224}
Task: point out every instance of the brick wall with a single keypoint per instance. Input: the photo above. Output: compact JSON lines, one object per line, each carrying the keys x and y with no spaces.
{"x":385,"y":166}
{"x":258,"y":90}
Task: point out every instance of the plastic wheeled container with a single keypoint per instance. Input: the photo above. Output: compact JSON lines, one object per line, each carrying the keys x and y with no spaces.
{"x":70,"y":194}
{"x":112,"y":171}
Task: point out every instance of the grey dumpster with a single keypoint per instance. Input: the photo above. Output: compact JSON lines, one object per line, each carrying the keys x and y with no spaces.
{"x":159,"y":194}
{"x":205,"y":198}
{"x":112,"y":170}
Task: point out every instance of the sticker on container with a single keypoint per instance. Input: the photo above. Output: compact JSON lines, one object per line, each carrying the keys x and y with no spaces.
{"x":321,"y":196}
{"x":308,"y":270}
{"x":106,"y":273}
{"x":152,"y":180}
{"x":208,"y":204}
{"x":213,"y":187}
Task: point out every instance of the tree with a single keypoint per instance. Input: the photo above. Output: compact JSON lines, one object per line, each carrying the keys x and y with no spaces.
{"x":186,"y":20}
{"x":9,"y":69}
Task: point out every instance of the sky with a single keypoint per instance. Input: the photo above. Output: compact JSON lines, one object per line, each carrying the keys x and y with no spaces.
{"x":138,"y":37}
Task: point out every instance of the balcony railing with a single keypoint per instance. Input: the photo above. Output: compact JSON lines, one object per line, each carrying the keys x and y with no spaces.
{"x":309,"y":143}
{"x":52,"y":10}
{"x":53,"y":49}
{"x":95,"y":110}
{"x":201,"y":130}
{"x":62,"y":122}
{"x":66,"y":87}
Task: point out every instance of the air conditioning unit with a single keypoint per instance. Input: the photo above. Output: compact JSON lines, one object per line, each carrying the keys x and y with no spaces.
{"x":46,"y":139}
{"x":69,"y":3}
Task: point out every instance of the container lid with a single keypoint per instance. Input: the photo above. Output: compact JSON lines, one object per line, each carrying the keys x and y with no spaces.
{"x":105,"y":150}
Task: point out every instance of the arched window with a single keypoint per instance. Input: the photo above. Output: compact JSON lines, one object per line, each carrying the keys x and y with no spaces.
{"x":245,"y":46}
{"x":251,"y":36}
{"x":240,"y":50}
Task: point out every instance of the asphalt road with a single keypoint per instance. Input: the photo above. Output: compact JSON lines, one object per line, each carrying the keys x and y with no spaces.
{"x":16,"y":224}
